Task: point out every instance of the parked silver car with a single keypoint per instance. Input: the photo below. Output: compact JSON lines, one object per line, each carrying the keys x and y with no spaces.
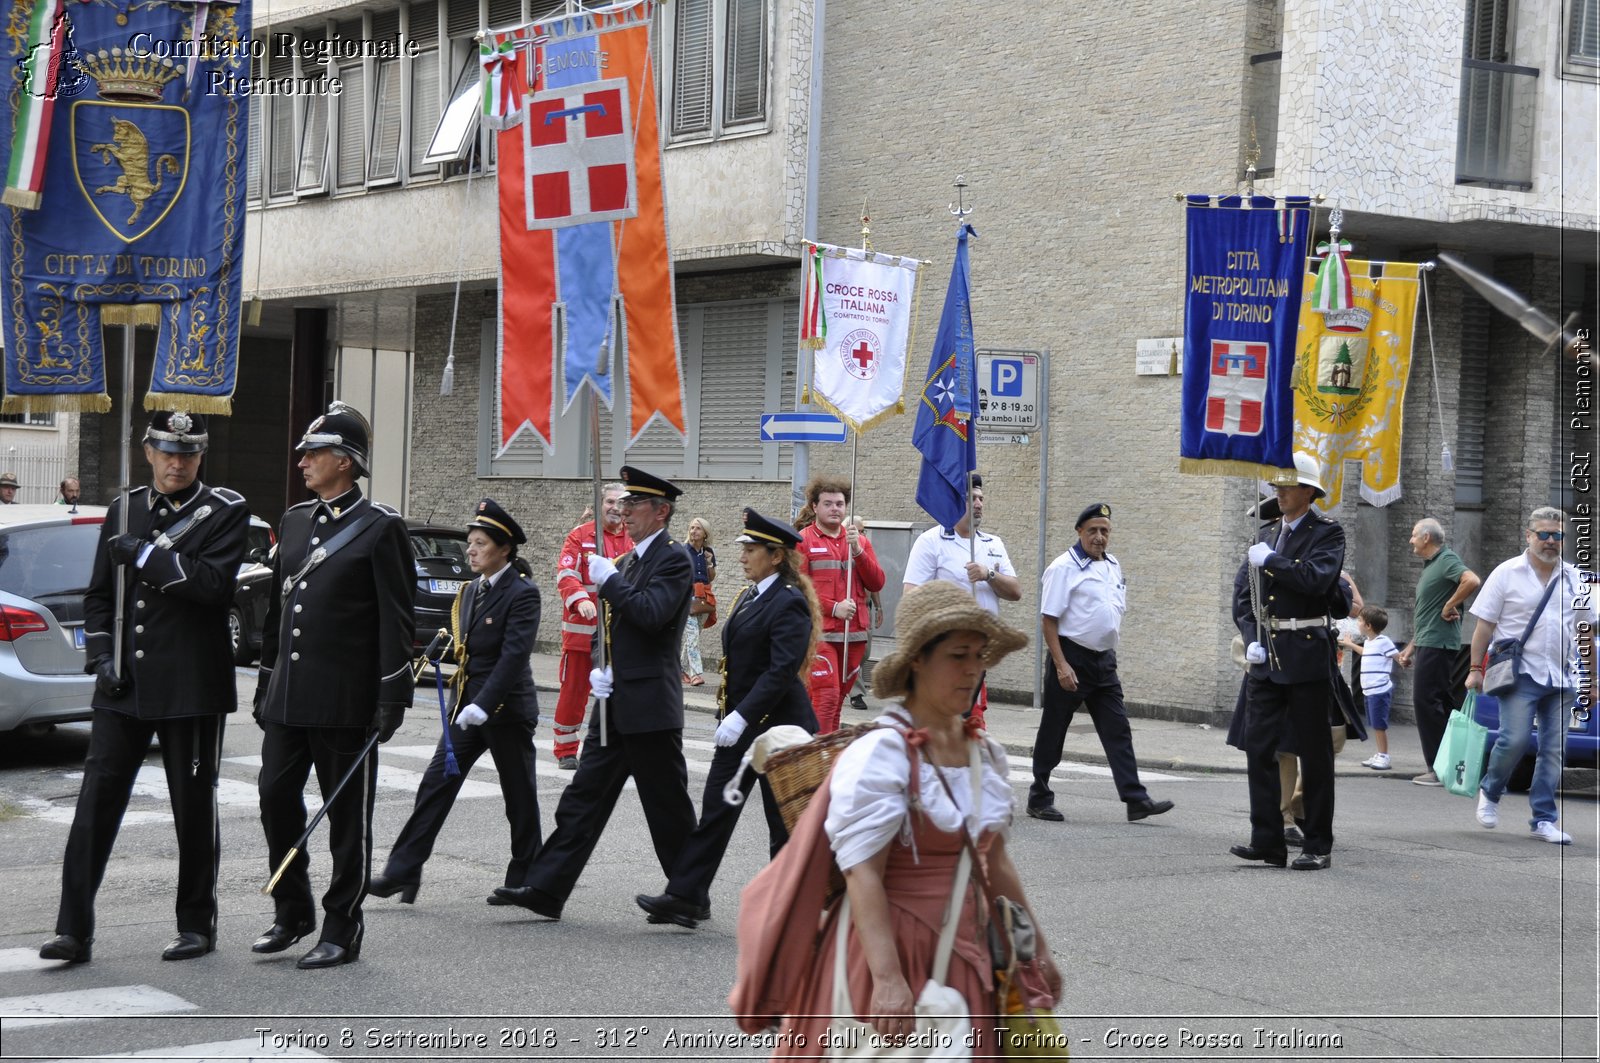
{"x":46,"y":557}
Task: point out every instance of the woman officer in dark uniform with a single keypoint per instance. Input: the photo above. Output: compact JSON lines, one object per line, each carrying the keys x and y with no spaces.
{"x":494,"y":622}
{"x":767,"y":645}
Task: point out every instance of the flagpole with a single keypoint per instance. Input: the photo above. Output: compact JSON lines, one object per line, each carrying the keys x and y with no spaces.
{"x":125,"y":474}
{"x":960,"y":211}
{"x":601,"y":643}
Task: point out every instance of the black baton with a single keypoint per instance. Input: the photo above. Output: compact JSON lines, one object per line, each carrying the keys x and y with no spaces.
{"x":294,"y":850}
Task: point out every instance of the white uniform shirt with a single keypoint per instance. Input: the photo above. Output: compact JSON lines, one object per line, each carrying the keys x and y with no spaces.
{"x":940,"y":554}
{"x":1508,"y":598}
{"x":1087,"y":598}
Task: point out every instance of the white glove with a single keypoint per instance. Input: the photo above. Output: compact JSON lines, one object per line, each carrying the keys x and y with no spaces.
{"x":471,"y":716}
{"x":600,"y":682}
{"x":731,"y":727}
{"x":1259,"y":554}
{"x":601,"y":568}
{"x":1256,"y":653}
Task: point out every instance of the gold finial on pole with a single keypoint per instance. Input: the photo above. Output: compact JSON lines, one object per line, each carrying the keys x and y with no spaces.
{"x":866,"y":226}
{"x":1252,"y":155}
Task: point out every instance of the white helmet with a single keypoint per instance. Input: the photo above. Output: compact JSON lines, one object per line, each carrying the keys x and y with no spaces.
{"x":1306,"y":472}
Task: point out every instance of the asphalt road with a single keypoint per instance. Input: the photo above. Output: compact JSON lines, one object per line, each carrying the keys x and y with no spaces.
{"x":1429,"y":938}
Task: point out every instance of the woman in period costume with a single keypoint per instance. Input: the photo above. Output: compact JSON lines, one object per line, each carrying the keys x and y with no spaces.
{"x":897,"y":803}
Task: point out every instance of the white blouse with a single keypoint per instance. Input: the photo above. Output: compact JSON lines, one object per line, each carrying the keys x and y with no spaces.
{"x":870,"y":802}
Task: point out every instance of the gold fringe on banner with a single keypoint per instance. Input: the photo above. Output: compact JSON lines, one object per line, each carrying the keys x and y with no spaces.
{"x":134,"y":314}
{"x":83,"y":403}
{"x":184,"y":402}
{"x":22,"y":198}
{"x":1226,"y":467}
{"x":805,"y":395}
{"x":814,"y":343}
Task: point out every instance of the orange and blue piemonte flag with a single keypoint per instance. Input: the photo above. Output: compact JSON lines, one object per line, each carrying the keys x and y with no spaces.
{"x":946,"y":430}
{"x":586,"y":273}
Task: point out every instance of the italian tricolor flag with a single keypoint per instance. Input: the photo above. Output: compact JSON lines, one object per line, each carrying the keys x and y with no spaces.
{"x":813,"y":320}
{"x":30,"y":140}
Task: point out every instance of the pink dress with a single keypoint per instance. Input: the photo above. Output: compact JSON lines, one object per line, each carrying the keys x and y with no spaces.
{"x":869,"y":808}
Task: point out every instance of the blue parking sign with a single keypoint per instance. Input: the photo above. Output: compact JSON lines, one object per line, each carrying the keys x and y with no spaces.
{"x":1005,"y":376}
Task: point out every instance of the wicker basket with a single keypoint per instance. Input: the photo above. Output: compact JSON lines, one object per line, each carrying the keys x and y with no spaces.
{"x":794,"y":774}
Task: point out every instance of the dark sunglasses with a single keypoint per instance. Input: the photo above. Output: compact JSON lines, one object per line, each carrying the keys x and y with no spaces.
{"x":1546,"y":536}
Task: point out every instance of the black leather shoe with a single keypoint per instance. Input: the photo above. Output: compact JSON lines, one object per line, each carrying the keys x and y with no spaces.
{"x":327,"y":954}
{"x":535,"y":900}
{"x":567,"y":763}
{"x":1292,"y":836}
{"x":384,"y":886}
{"x":187,"y":945}
{"x":1048,"y":813}
{"x":1312,"y":862}
{"x":859,"y":703}
{"x":700,"y":914}
{"x":666,"y":908}
{"x":497,"y":900}
{"x":1138,"y":810}
{"x":66,"y":947}
{"x":1278,"y":858}
{"x":279,"y":937}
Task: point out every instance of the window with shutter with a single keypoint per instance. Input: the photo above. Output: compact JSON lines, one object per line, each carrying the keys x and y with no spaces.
{"x":744,"y":96}
{"x":461,"y":18}
{"x":505,"y":14}
{"x":384,"y":159}
{"x":352,"y":134}
{"x":692,"y":74}
{"x":253,"y":158}
{"x":733,"y":377}
{"x":453,"y":136}
{"x":425,"y":111}
{"x":281,"y":146}
{"x":313,"y":141}
{"x":1472,"y":409}
{"x":1583,"y":35}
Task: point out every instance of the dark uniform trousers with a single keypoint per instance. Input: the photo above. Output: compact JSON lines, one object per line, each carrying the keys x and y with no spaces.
{"x":1293,"y":716}
{"x":1101,"y":689}
{"x":288,"y":755}
{"x":702,"y":854}
{"x":191,"y":749}
{"x":511,"y":746}
{"x":655,"y":761}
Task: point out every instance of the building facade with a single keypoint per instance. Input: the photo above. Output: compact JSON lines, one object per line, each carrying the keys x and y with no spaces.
{"x":373,"y":242}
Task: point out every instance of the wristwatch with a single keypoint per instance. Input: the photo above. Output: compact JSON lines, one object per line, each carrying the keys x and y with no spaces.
{"x":990,"y":575}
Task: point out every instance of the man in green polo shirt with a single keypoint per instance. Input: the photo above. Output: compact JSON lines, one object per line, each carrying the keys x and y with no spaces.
{"x":1443,"y":588}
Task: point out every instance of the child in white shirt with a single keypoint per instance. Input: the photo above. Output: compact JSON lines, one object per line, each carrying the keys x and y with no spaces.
{"x":1377,"y":683}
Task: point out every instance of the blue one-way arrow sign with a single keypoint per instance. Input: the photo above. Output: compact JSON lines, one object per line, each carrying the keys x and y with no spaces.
{"x":801,"y":428}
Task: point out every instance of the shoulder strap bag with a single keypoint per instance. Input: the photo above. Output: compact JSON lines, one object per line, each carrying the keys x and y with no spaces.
{"x":1505,"y":656}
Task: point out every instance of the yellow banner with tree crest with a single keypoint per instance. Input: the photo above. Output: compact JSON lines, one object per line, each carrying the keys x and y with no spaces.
{"x":1350,"y":379}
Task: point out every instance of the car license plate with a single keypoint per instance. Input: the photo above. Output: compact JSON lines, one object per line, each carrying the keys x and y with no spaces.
{"x":77,"y":637}
{"x":444,"y":586}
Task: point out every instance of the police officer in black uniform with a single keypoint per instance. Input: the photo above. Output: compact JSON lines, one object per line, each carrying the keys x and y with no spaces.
{"x":335,"y":667}
{"x":178,"y":559}
{"x":494,"y":622}
{"x":1287,"y":622}
{"x":646,"y":593}
{"x":767,"y":645}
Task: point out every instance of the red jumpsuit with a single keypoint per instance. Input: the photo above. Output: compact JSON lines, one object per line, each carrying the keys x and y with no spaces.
{"x":824,"y":558}
{"x":577,"y":634}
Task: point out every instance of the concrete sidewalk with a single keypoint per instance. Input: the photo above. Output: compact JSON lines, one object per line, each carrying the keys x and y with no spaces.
{"x":1159,"y":744}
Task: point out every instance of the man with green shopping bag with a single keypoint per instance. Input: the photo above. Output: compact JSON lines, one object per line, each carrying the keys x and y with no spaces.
{"x":1541,"y":601}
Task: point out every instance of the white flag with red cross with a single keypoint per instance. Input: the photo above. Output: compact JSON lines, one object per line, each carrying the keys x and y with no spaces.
{"x":1236,"y":393}
{"x":859,"y":365}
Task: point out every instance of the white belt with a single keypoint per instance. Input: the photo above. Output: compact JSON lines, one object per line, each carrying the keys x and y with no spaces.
{"x":1301,"y":623}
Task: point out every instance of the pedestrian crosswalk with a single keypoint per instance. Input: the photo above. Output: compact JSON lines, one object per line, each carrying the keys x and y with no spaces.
{"x":45,"y":1009}
{"x":400,"y":770}
{"x":244,"y":1050}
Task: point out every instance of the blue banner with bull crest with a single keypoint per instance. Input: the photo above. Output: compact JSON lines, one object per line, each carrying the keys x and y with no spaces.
{"x":139,"y":214}
{"x":1246,"y":264}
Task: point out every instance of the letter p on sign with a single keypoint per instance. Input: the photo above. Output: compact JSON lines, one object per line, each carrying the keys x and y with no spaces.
{"x":1007,"y":377}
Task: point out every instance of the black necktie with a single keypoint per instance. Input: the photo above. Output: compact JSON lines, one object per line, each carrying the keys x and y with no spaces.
{"x":1283,"y":537}
{"x":480,"y":588}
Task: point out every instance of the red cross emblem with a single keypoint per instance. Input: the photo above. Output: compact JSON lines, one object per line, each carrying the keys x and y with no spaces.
{"x":860,"y":353}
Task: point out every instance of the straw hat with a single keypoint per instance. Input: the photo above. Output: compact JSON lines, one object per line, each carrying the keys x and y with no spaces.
{"x":925,"y":613}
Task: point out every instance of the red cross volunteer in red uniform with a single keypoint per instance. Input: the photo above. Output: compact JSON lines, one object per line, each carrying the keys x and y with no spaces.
{"x":578,"y":619}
